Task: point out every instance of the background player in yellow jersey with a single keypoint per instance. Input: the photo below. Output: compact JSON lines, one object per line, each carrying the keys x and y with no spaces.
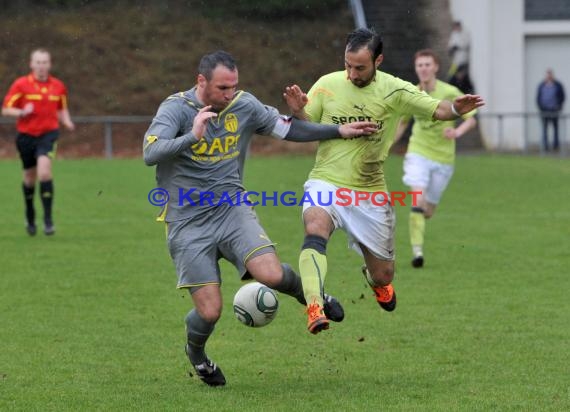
{"x":428,"y":165}
{"x":359,"y":92}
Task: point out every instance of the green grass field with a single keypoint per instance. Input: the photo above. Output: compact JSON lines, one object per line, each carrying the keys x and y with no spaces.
{"x":90,"y":319}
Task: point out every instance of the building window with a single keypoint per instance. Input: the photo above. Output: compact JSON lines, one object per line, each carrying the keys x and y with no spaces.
{"x":546,"y":10}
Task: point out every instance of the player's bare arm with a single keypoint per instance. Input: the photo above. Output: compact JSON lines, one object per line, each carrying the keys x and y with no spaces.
{"x":456,"y":132}
{"x":402,"y":125}
{"x":17,"y":112}
{"x":357,"y":129}
{"x":296,"y":100}
{"x":65,"y":119}
{"x":461,"y":105}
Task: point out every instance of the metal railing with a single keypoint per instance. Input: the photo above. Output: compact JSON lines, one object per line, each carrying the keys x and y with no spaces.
{"x":530,"y":124}
{"x":106,"y":121}
{"x":530,"y":127}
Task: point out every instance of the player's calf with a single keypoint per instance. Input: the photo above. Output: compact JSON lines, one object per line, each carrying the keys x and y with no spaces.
{"x":198,"y":330}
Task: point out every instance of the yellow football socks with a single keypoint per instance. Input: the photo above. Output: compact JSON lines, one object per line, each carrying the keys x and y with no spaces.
{"x":417,"y":228}
{"x":313,"y":269}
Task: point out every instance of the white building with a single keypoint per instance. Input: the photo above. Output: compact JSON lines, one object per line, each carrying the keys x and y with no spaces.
{"x":513,"y":42}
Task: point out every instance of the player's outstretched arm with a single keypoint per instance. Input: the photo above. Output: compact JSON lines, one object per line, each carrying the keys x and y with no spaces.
{"x":461,"y":105}
{"x":357,"y":129}
{"x":296,"y":100}
{"x":304,"y":131}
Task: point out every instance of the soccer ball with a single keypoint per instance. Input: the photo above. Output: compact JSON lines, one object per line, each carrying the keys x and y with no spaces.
{"x":255,"y":304}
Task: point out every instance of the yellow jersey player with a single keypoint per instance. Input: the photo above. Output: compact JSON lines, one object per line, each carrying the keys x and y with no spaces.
{"x":361,"y":91}
{"x":428,"y":165}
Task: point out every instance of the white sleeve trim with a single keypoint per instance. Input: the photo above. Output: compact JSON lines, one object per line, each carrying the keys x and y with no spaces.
{"x":281,"y":128}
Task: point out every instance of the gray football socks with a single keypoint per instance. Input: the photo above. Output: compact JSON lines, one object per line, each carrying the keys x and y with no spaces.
{"x":198,"y":331}
{"x":291,"y":284}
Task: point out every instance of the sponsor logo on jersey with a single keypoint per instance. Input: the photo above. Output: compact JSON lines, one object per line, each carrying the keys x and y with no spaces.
{"x":360,"y":108}
{"x":231,"y":123}
{"x":350,"y":119}
{"x":216,"y":146}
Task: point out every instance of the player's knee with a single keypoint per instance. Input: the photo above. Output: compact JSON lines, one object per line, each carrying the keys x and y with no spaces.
{"x":30,"y":182}
{"x":44,"y":175}
{"x":272,"y":277}
{"x":207,"y":304}
{"x":318,"y":222}
{"x":30,"y":177}
{"x":211,"y":314}
{"x":315,"y":242}
{"x":316,"y":228}
{"x":265,"y":267}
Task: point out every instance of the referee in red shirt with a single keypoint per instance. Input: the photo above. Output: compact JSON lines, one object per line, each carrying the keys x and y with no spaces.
{"x":39,"y":102}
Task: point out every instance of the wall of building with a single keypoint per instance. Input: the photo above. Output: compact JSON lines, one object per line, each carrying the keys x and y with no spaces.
{"x":501,"y":43}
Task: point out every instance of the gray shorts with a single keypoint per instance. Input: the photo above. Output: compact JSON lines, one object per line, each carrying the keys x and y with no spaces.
{"x":196,"y":246}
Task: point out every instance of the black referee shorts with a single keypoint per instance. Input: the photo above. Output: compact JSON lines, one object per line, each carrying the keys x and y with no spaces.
{"x":30,"y":147}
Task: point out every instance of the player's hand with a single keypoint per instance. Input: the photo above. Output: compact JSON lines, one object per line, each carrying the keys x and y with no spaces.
{"x":69,"y":125}
{"x":295,"y":98}
{"x":201,"y":121}
{"x":357,"y":129}
{"x":27,"y":110}
{"x":466,"y":103}
{"x":450,"y":133}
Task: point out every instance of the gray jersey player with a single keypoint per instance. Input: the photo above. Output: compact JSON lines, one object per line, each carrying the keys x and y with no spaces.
{"x":198,"y":140}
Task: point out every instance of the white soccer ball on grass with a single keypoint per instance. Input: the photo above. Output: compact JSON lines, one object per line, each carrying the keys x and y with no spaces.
{"x":255,"y":304}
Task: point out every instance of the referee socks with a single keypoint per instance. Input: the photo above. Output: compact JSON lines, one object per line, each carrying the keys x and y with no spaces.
{"x":46,"y":194}
{"x":29,"y":200}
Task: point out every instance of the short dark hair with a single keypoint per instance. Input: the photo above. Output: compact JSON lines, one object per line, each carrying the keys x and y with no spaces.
{"x":210,"y":61}
{"x":368,"y":38}
{"x":427,"y":53}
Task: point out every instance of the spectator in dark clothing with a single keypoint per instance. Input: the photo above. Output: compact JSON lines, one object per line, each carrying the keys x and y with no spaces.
{"x":461,"y":80}
{"x":550,"y":99}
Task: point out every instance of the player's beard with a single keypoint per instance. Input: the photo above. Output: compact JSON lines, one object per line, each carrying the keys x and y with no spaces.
{"x":208,"y":99}
{"x":363,"y":82}
{"x":217,"y":106}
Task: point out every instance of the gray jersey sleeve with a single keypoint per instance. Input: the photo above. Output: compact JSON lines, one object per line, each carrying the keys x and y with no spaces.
{"x":164,"y":138}
{"x":268,"y":121}
{"x":304,"y":131}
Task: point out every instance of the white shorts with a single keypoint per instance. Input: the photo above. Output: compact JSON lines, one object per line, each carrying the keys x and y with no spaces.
{"x":364,"y":222}
{"x":432,"y":177}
